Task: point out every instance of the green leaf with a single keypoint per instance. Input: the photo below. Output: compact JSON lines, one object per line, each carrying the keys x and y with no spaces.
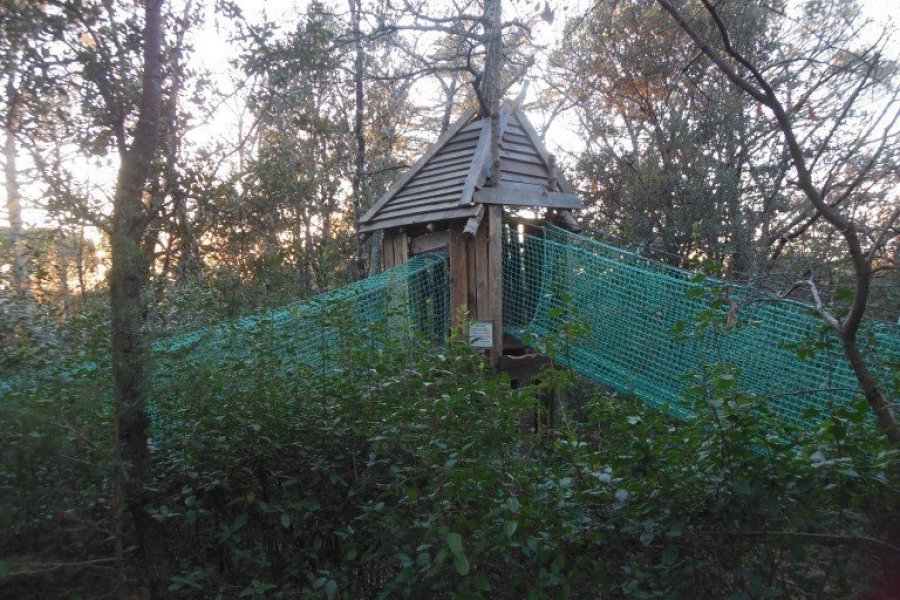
{"x":285,"y":520}
{"x":481,"y":584}
{"x":461,"y":564}
{"x":724,"y":381}
{"x":454,"y":541}
{"x":509,"y":527}
{"x":694,"y":292}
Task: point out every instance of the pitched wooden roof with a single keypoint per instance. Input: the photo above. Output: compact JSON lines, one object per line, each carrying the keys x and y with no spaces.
{"x":448,"y":181}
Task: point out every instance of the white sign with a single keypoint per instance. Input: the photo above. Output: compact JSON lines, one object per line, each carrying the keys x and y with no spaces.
{"x":481,"y":334}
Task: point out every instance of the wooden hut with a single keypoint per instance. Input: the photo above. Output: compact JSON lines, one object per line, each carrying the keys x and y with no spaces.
{"x":451,"y":200}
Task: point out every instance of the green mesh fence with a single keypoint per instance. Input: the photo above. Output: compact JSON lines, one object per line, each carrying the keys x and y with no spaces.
{"x":406,"y":307}
{"x":407,"y":303}
{"x":410,"y":298}
{"x":631,"y":307}
{"x":640,"y":333}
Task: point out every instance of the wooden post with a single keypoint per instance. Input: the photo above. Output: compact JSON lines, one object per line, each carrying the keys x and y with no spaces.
{"x":387,"y":249}
{"x":482,"y":287}
{"x":459,"y":277}
{"x":495,"y":278}
{"x":401,"y":248}
{"x":395,"y":248}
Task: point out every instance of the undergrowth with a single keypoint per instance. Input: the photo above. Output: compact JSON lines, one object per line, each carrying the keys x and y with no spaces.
{"x":397,"y":469}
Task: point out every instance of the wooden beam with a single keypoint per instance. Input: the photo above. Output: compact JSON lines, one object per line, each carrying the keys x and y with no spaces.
{"x":480,"y":167}
{"x":473,"y":224}
{"x":476,"y":166}
{"x":401,"y":248}
{"x":409,"y":174}
{"x":387,"y":249}
{"x":524,"y":194}
{"x":459,"y":278}
{"x":471,"y":278}
{"x":428,"y":242}
{"x":459,"y":213}
{"x":482,"y":276}
{"x":552,"y":183}
{"x":566,"y":220}
{"x":495,"y":278}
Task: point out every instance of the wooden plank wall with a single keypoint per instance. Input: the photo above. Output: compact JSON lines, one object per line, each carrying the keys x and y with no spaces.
{"x":428,"y":242}
{"x":476,"y":278}
{"x":476,"y":282}
{"x":394,"y":248}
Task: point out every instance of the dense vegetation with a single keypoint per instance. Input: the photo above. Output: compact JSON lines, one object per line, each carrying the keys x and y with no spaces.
{"x":385,"y":475}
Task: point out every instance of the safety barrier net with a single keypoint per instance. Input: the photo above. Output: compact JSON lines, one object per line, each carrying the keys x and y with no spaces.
{"x":637,"y":326}
{"x":409,"y":303}
{"x":617,"y":318}
{"x":410,"y":299}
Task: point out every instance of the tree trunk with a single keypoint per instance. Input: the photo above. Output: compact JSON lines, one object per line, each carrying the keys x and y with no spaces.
{"x":62,"y":271}
{"x":448,"y":106}
{"x":189,"y":248}
{"x":358,"y":133}
{"x":79,"y":265}
{"x":13,"y":199}
{"x":491,"y":90}
{"x":128,"y":274}
{"x":880,"y":405}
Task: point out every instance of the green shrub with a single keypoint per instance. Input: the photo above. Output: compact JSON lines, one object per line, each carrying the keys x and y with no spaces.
{"x":399,"y":470}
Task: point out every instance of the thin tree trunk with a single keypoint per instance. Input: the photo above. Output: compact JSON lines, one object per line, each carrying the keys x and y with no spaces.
{"x":760,"y":89}
{"x":62,"y":271}
{"x":358,"y":133}
{"x":491,"y":91}
{"x":128,"y":274}
{"x":448,"y":106}
{"x":79,"y":265}
{"x":189,"y":249}
{"x":13,"y":198}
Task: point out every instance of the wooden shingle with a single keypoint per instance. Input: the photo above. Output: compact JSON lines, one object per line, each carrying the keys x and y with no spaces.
{"x":450,"y":180}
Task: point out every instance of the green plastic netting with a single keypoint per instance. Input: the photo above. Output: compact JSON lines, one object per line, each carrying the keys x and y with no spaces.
{"x":407,"y":303}
{"x":405,"y":307}
{"x":632,"y":308}
{"x":410,"y":298}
